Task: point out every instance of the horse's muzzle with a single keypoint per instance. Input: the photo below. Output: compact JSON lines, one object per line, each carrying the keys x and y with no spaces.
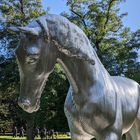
{"x":24,"y":103}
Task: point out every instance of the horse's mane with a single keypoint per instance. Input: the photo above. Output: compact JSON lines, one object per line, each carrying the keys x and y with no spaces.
{"x":69,"y":38}
{"x":72,"y":41}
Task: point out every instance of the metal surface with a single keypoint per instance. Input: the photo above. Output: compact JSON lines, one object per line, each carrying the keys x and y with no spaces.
{"x":97,"y":104}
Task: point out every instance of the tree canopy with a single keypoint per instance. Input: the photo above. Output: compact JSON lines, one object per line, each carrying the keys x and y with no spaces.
{"x":102,"y":23}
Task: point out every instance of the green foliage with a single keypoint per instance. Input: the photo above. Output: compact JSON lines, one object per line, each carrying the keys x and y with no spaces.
{"x":16,"y":13}
{"x":133,"y":60}
{"x":52,"y":102}
{"x":13,"y":13}
{"x":9,"y":82}
{"x":19,"y":12}
{"x":101,"y":20}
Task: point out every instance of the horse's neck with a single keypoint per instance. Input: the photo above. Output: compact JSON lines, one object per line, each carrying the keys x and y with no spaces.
{"x":82,"y":75}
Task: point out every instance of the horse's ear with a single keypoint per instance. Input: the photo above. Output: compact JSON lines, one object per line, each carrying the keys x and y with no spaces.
{"x":34,"y":31}
{"x":43,"y":24}
{"x":14,"y":29}
{"x":30,"y":30}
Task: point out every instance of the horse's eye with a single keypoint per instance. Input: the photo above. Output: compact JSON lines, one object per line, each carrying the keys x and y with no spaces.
{"x":32,"y":59}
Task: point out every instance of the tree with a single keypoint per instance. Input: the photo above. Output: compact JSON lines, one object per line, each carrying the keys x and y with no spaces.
{"x":8,"y":88}
{"x":13,"y":13}
{"x":51,"y":112}
{"x":16,"y":13}
{"x":103,"y":25}
{"x":133,"y":69}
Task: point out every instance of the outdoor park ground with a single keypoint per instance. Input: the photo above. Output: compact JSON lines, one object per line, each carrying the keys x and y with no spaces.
{"x":18,"y":138}
{"x":24,"y":138}
{"x":59,"y":137}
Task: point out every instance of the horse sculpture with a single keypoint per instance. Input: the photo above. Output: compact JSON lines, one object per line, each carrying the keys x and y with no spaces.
{"x":97,"y":104}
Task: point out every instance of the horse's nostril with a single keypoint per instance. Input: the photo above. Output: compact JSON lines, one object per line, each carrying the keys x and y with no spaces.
{"x":24,"y":103}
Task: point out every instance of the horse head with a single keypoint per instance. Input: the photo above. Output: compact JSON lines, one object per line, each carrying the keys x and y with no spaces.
{"x":36,"y":59}
{"x":36,"y":55}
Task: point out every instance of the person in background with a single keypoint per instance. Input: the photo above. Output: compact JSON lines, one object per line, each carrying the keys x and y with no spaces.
{"x":14,"y":131}
{"x":51,"y":134}
{"x":36,"y":132}
{"x":21,"y":132}
{"x":43,"y":133}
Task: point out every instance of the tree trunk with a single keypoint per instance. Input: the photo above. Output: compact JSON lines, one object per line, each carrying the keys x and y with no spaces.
{"x":30,"y":127}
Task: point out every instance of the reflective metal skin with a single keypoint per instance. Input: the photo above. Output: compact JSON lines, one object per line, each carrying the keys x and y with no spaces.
{"x":97,"y":104}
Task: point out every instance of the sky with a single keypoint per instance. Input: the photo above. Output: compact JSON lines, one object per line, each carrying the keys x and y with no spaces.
{"x":130,"y":6}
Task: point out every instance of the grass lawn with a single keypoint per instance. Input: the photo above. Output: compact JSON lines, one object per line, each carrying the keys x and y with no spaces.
{"x":18,"y":138}
{"x":11,"y":138}
{"x":24,"y":138}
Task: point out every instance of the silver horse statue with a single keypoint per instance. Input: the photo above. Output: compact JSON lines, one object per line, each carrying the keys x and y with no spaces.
{"x":97,"y":104}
